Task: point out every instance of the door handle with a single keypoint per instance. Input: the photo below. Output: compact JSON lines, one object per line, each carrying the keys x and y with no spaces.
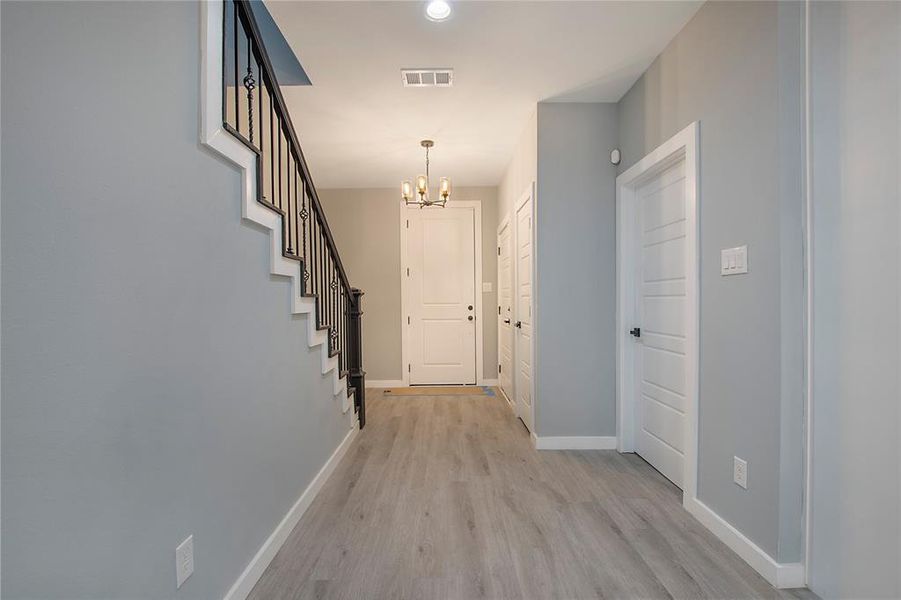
{"x":519,"y":324}
{"x":507,"y":321}
{"x":470,"y":317}
{"x":636,"y":332}
{"x":469,"y":307}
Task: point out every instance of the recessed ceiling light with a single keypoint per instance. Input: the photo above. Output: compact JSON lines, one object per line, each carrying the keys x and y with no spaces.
{"x":437,"y":10}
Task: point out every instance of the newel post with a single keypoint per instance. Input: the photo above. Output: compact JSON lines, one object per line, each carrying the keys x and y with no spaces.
{"x":357,"y":374}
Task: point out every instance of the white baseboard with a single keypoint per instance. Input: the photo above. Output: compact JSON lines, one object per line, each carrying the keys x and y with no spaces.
{"x":257,"y":565}
{"x":780,"y":575}
{"x":489,"y":382}
{"x":385,"y":383}
{"x":601,"y":442}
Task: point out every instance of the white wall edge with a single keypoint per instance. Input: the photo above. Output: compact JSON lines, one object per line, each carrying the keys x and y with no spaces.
{"x":257,"y":566}
{"x":601,"y":442}
{"x":385,"y":383}
{"x":223,"y":143}
{"x":779,"y":575}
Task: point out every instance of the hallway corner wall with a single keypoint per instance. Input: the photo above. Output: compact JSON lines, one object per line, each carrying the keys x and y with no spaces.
{"x":736,"y":68}
{"x":575,"y":295}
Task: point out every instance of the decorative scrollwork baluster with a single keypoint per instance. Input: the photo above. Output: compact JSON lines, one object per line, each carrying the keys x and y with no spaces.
{"x":249,"y":84}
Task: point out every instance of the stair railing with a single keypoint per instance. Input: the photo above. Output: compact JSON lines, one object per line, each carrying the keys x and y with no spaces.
{"x":255,"y":112}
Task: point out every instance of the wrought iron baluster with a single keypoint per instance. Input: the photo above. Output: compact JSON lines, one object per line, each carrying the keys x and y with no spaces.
{"x":304,"y":214}
{"x":279,"y":129}
{"x":323,"y":254}
{"x":260,"y":102}
{"x":295,"y":215}
{"x":237,"y":96}
{"x":249,"y":85}
{"x":288,"y":209}
{"x":271,"y":150}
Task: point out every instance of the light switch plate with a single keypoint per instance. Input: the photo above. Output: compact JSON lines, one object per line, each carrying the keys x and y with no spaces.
{"x":734,"y":261}
{"x":487,"y":286}
{"x":740,"y":472}
{"x":184,"y":561}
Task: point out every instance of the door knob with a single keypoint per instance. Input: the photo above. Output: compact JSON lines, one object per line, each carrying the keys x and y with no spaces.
{"x":636,"y":331}
{"x":507,"y":321}
{"x":519,"y":324}
{"x":470,"y":317}
{"x":469,"y":307}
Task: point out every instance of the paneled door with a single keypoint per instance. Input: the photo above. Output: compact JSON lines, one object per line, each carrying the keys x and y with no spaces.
{"x":523,"y":299}
{"x":505,"y":309}
{"x":660,"y":406}
{"x":441,"y":295}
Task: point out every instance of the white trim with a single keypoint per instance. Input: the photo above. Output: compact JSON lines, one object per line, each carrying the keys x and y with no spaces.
{"x":807,"y":245}
{"x":214,"y":136}
{"x":529,"y":194}
{"x":255,"y":568}
{"x":780,"y":575}
{"x":489,"y":383}
{"x":404,"y":263}
{"x":595,"y":442}
{"x":682,"y":146}
{"x":385,"y":383}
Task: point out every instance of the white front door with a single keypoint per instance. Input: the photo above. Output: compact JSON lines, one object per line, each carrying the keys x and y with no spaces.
{"x":523,"y":298}
{"x":505,"y":309}
{"x":441,"y":300}
{"x":661,"y":310}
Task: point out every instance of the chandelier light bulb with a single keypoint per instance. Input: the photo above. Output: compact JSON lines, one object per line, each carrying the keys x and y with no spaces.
{"x":422,"y":186}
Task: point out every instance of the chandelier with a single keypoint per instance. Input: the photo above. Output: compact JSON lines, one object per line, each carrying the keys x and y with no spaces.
{"x":421,"y":197}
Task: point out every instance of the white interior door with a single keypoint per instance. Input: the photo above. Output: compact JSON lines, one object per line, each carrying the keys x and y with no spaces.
{"x":505,"y":309}
{"x":661,"y":310}
{"x":441,"y":295}
{"x":523,"y":316}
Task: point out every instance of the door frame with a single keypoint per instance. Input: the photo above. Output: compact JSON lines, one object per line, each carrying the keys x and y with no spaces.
{"x":506,"y":221}
{"x":476,"y":208}
{"x":682,"y":146}
{"x":528,"y":194}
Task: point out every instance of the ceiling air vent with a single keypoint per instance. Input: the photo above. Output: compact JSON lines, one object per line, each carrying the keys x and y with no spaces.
{"x":427,"y":77}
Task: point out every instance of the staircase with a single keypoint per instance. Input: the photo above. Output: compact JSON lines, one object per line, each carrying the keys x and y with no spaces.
{"x":245,"y":118}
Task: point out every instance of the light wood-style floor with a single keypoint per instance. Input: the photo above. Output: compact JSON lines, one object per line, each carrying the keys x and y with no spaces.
{"x":444,"y":497}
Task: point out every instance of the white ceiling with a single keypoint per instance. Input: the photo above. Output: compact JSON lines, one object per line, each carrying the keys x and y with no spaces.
{"x":360,"y":127}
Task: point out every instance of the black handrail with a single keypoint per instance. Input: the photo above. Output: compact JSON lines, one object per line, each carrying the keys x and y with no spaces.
{"x":306,"y":236}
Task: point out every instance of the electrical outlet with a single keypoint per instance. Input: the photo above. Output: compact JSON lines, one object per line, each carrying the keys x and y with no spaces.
{"x":740,"y":472}
{"x":184,"y":561}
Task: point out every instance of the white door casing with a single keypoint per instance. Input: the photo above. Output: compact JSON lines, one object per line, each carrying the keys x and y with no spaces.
{"x":505,"y":313}
{"x":524,"y":313}
{"x":657,"y":281}
{"x":440,"y":300}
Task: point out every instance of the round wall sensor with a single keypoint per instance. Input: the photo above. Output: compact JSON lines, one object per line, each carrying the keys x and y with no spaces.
{"x":615,"y":156}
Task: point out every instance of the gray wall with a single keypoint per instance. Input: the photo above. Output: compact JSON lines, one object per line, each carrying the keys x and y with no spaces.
{"x":736,"y":68}
{"x":856,"y":132}
{"x":575,"y":295}
{"x":522,"y":170}
{"x":366,"y":225}
{"x":154,"y":383}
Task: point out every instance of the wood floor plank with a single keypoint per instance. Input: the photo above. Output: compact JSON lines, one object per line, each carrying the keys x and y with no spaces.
{"x":444,"y":497}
